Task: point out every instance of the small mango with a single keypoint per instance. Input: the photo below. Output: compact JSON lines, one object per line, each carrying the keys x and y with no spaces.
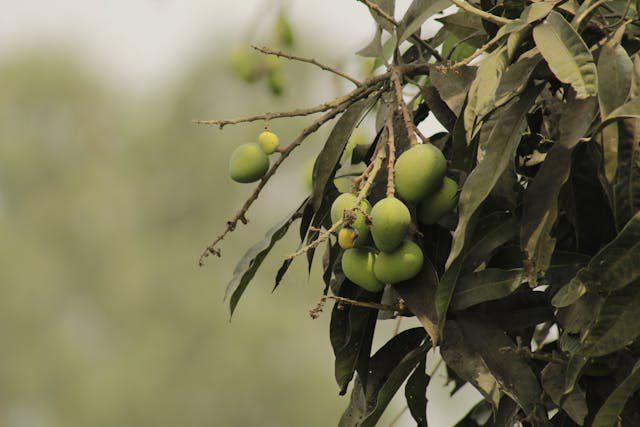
{"x":248,"y":163}
{"x":402,"y":264}
{"x":357,"y":266}
{"x":419,"y":172}
{"x":391,"y":219}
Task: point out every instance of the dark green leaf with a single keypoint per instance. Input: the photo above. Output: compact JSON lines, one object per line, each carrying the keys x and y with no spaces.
{"x":574,"y":404}
{"x":613,"y":267}
{"x":485,"y":285}
{"x":532,"y":13}
{"x":419,"y":295}
{"x":415,"y":391}
{"x":479,"y":250}
{"x":465,"y":26}
{"x":567,"y":54}
{"x":327,"y":161}
{"x":626,"y":186}
{"x":630,"y":110}
{"x":252,"y":259}
{"x":388,"y":369}
{"x":516,"y":77}
{"x":452,"y":85}
{"x":419,"y":11}
{"x":541,"y":200}
{"x":607,"y":415}
{"x":616,"y":324}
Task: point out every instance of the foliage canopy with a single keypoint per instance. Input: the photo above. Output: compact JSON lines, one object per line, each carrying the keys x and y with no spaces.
{"x":531,"y":288}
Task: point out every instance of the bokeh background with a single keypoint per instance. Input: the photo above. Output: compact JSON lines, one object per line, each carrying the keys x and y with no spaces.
{"x":108,"y":193}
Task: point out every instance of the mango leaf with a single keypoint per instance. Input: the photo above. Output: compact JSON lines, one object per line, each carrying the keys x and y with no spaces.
{"x":615,"y":64}
{"x":607,"y":415}
{"x":388,"y":7}
{"x":626,"y":186}
{"x":574,"y":404}
{"x":567,"y":54}
{"x":246,"y":268}
{"x":616,"y":325}
{"x":485,"y":285}
{"x":417,"y":13}
{"x":452,"y":85}
{"x":351,"y":333}
{"x":415,"y":392}
{"x":541,"y":198}
{"x":388,"y":369}
{"x":419,"y":295}
{"x":327,"y":161}
{"x":516,"y":77}
{"x":575,"y":365}
{"x":468,"y":364}
{"x":530,"y":14}
{"x":479,"y":248}
{"x":615,"y":266}
{"x":483,"y":89}
{"x":501,"y":147}
{"x":465,"y":26}
{"x":374,"y":48}
{"x":630,"y":110}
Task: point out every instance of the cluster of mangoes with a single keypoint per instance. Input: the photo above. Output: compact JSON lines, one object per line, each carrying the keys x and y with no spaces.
{"x":419,"y":177}
{"x":249,"y":162}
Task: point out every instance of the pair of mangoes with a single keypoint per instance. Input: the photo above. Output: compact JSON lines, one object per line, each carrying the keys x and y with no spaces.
{"x":250,"y":162}
{"x":420,"y":179}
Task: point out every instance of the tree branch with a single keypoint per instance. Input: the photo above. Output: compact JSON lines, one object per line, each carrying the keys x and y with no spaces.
{"x":268,"y":51}
{"x":499,"y":20}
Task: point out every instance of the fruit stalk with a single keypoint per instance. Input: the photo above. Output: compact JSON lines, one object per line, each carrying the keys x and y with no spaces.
{"x":391,"y":189}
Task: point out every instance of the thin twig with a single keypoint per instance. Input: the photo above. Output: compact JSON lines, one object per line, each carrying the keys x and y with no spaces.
{"x":391,"y":190}
{"x":268,"y":51}
{"x":408,"y":121}
{"x":373,"y":305}
{"x":325,"y":106}
{"x":586,"y":13}
{"x":525,"y":352}
{"x":240,"y":216}
{"x":361,"y":196}
{"x":477,"y":53}
{"x":499,"y":20}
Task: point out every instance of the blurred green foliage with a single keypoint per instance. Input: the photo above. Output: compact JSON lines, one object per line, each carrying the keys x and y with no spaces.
{"x":105,"y":205}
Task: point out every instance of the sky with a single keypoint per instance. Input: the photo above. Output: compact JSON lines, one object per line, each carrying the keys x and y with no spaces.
{"x":143,"y":43}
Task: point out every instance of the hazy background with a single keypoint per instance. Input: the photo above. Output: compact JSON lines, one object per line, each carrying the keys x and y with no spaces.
{"x":108,"y":193}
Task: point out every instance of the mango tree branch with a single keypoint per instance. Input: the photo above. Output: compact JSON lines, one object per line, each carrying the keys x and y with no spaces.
{"x":371,"y":81}
{"x":268,"y":51}
{"x":499,"y":20}
{"x":240,"y":216}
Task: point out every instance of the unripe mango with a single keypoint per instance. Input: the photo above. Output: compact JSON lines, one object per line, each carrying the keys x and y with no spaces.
{"x":402,"y":264}
{"x":347,"y":238}
{"x":268,"y":142}
{"x":243,"y":64}
{"x":348,"y":201}
{"x":391,"y":219}
{"x":357,"y":266}
{"x":248,"y":163}
{"x":419,"y":172}
{"x":438,"y":204}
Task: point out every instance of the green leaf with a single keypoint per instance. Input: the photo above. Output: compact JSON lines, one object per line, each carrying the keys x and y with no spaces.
{"x":501,"y":147}
{"x":419,"y":11}
{"x":615,"y":266}
{"x":415,"y":392}
{"x":465,"y":26}
{"x":574,"y":404}
{"x":516,"y":77}
{"x":388,"y":369}
{"x":616,"y":325}
{"x":483,"y":89}
{"x":452,"y":85}
{"x":567,"y":54}
{"x":248,"y":265}
{"x":530,"y":14}
{"x":479,"y":249}
{"x":419,"y":295}
{"x":485,"y":285}
{"x":468,"y":364}
{"x":388,"y":7}
{"x":614,"y":64}
{"x":630,"y":110}
{"x":607,"y":415}
{"x":541,"y":198}
{"x":626,"y":186}
{"x":327,"y":161}
{"x":351,"y":333}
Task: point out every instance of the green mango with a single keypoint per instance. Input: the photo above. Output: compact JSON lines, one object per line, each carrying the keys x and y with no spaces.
{"x":248,"y":163}
{"x":391,"y":219}
{"x":268,"y":141}
{"x":357,"y":266}
{"x":348,"y":201}
{"x":402,"y":264}
{"x":438,"y":204}
{"x":419,"y":172}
